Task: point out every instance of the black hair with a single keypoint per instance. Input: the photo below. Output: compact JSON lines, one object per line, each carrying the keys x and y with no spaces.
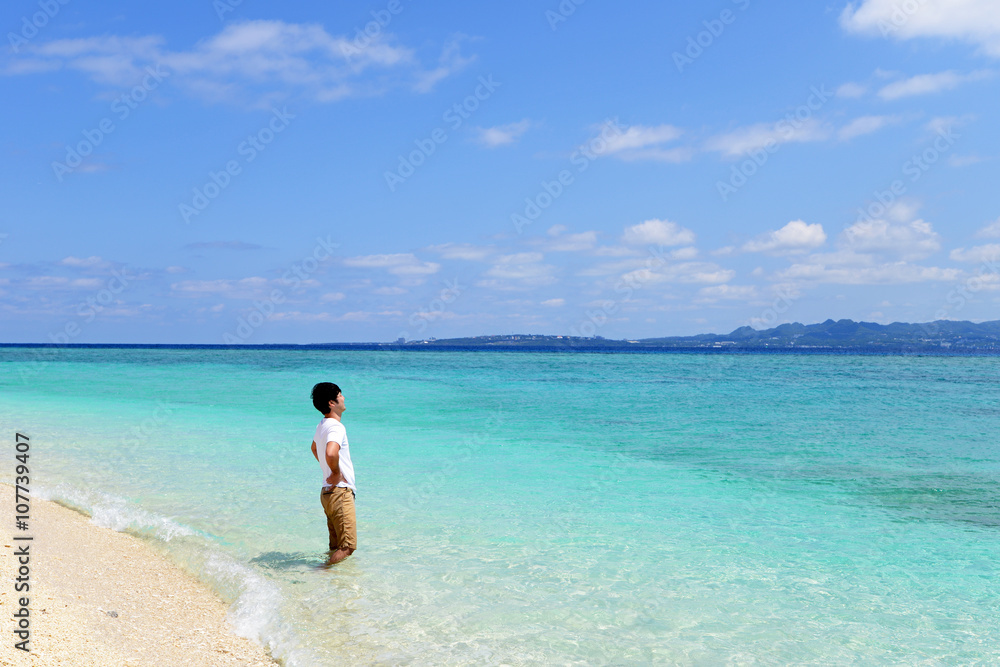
{"x":322,"y":394}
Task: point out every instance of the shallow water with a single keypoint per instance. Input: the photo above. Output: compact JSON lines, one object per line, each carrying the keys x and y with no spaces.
{"x":550,"y":508}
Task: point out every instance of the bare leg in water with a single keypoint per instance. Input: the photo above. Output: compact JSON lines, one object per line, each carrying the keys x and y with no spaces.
{"x":338,"y":555}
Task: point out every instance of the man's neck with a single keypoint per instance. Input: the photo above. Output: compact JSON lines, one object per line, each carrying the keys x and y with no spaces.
{"x":332,"y":415}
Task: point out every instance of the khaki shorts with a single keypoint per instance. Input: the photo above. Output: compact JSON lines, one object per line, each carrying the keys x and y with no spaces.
{"x":338,"y":503}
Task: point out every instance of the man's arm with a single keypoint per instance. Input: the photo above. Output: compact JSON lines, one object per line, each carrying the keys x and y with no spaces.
{"x":314,"y":450}
{"x":333,"y":460}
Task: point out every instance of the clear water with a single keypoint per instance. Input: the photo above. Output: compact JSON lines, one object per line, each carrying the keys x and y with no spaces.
{"x":550,"y":508}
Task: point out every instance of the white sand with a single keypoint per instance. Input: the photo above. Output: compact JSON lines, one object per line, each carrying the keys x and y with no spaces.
{"x":81,"y":572}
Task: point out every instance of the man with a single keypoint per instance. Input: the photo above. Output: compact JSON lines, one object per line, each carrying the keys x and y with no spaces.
{"x":338,"y":491}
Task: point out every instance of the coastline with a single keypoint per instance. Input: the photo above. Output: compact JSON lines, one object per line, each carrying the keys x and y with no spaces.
{"x":102,"y":597}
{"x":39,"y":350}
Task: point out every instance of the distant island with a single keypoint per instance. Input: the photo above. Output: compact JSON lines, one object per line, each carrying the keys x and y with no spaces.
{"x":841,"y":335}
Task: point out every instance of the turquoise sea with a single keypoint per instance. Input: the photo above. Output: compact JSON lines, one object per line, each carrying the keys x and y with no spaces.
{"x":546,"y":508}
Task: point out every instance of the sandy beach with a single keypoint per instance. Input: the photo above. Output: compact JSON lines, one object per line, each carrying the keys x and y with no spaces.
{"x":99,"y":597}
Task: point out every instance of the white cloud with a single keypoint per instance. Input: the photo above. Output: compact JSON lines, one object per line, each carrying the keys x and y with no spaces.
{"x":671,"y":155}
{"x":639,"y":142}
{"x":684,"y":253}
{"x":250,"y":60}
{"x":990,"y":231}
{"x":523,"y":270}
{"x":107,"y":60}
{"x":926,"y":84}
{"x":865,"y":125}
{"x":415,"y":269}
{"x":913,"y":240}
{"x":389,"y":291}
{"x":613,"y":268}
{"x":614,"y":251}
{"x":844,"y":257}
{"x":946,"y":124}
{"x":883,"y":274}
{"x":989,"y":282}
{"x":84,"y":262}
{"x":965,"y":160}
{"x":400,"y":264}
{"x":796,"y":236}
{"x":735,"y":292}
{"x":518,"y":265}
{"x":903,"y":210}
{"x":640,"y":136}
{"x":330,"y":297}
{"x":45,"y":282}
{"x":61,"y":283}
{"x":462,"y":251}
{"x":975,"y":21}
{"x":745,"y":139}
{"x":705,"y":273}
{"x":379,"y":261}
{"x":861,"y":258}
{"x":851,"y":90}
{"x":245,"y":288}
{"x":984,"y":254}
{"x":502,"y":135}
{"x":658,"y":232}
{"x":554,"y":303}
{"x":450,"y":61}
{"x":29,"y":66}
{"x":354,"y":316}
{"x":559,"y":242}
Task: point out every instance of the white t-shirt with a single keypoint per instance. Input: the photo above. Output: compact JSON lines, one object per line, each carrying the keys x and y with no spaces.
{"x":331,"y":430}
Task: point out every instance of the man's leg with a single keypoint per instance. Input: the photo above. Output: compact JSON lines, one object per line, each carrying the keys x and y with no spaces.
{"x":325,"y":498}
{"x":342,"y":506}
{"x":332,"y":528}
{"x":338,"y":555}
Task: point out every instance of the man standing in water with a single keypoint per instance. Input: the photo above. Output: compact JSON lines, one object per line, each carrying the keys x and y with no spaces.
{"x":331,"y":450}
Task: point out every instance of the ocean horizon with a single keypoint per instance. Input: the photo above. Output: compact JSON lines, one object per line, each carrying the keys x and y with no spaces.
{"x":675,"y":508}
{"x":529,"y":349}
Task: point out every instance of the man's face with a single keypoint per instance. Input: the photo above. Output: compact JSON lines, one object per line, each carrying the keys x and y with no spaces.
{"x":338,"y":405}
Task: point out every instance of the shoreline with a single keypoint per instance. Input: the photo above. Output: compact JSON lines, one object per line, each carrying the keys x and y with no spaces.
{"x":100,"y":597}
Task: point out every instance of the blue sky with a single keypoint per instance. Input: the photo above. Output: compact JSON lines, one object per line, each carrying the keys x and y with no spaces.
{"x":211,"y":172}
